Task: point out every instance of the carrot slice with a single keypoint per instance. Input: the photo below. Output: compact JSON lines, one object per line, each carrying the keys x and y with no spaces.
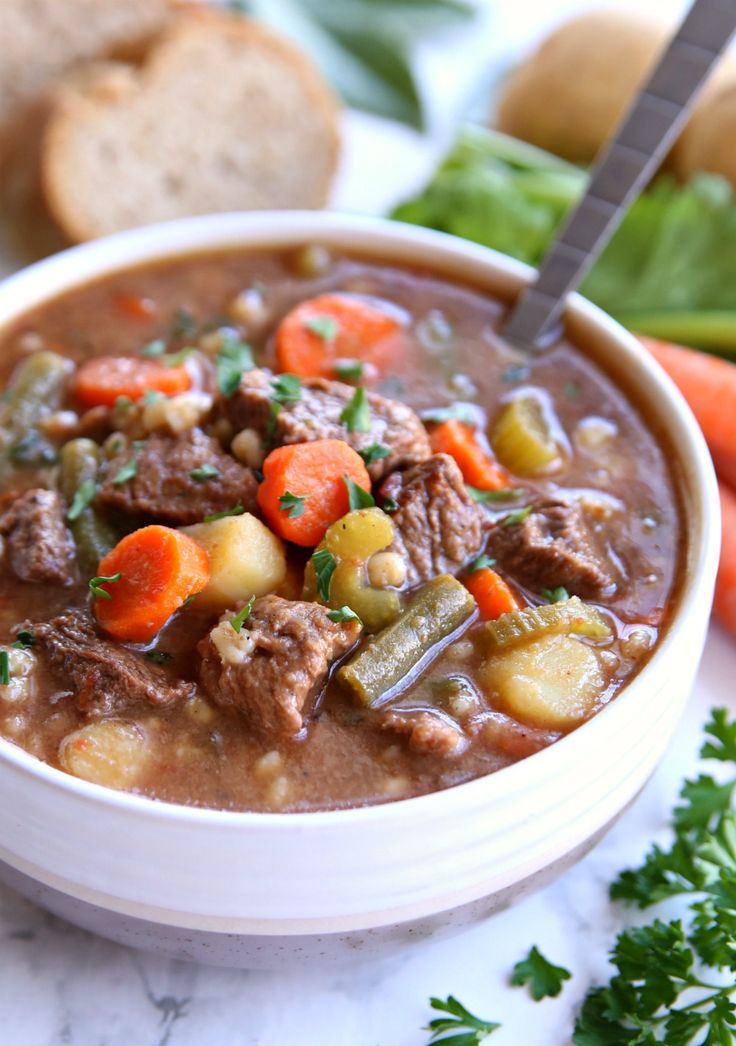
{"x":708,"y":383}
{"x":101,"y":381}
{"x":135,"y":306}
{"x":159,"y":569}
{"x":304,"y":489}
{"x":724,"y":605}
{"x":493,"y":596}
{"x":319,"y":332}
{"x":461,"y":442}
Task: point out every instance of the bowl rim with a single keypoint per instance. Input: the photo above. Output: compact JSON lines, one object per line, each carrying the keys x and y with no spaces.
{"x":370,"y":236}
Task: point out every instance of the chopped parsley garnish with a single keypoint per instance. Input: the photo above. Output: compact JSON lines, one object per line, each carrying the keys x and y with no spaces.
{"x":357,"y":496}
{"x":356,"y":416}
{"x":122,"y":403}
{"x":154,"y":348}
{"x":390,"y":505}
{"x":545,"y":980}
{"x":32,"y":449}
{"x":324,"y":564}
{"x":375,"y":452}
{"x":159,"y":657}
{"x":152,"y":396}
{"x":234,"y":358}
{"x":236,"y":510}
{"x":175,"y":359}
{"x":101,"y":579}
{"x":482,"y":563}
{"x":460,"y":1028}
{"x":128,"y":471}
{"x":242,"y":616}
{"x":325,"y":327}
{"x":274,"y":411}
{"x":205,"y":472}
{"x":183,"y":324}
{"x":454,"y":412}
{"x":343,"y":614}
{"x":349,"y":370}
{"x":517,"y":517}
{"x":24,"y":640}
{"x":4,"y":667}
{"x":485,"y":497}
{"x":286,"y":388}
{"x":188,"y":601}
{"x":83,"y":496}
{"x":293,"y":504}
{"x":556,"y":595}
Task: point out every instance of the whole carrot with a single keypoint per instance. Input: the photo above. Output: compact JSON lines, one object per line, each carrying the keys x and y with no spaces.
{"x":724,"y":604}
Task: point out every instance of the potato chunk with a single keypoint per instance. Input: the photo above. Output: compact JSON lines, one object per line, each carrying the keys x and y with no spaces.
{"x":553,"y":683}
{"x":246,"y":560}
{"x":110,"y":753}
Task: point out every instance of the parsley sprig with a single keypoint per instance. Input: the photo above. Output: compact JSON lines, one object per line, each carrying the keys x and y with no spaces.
{"x":356,"y":416}
{"x":460,"y":1027}
{"x":95,"y":584}
{"x":545,"y":980}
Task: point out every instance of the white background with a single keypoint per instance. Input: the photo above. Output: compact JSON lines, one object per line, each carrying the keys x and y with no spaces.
{"x":59,"y":985}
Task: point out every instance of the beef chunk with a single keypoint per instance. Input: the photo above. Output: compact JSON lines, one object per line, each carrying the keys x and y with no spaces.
{"x":163,"y":487}
{"x":38,"y":546}
{"x":274,"y":668}
{"x":553,"y":546}
{"x":430,"y":733}
{"x":438,"y":526}
{"x":105,"y":677}
{"x":316,"y":415}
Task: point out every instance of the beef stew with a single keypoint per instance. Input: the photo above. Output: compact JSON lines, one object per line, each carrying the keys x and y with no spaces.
{"x":285,"y":531}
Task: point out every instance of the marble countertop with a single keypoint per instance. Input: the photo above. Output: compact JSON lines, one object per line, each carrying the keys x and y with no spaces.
{"x":60,"y":985}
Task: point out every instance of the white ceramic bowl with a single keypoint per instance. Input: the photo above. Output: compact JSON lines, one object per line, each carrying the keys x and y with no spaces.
{"x":260,"y":890}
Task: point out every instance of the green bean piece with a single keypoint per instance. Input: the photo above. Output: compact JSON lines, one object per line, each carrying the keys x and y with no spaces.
{"x":433,"y":613}
{"x":569,"y":617}
{"x":94,"y":537}
{"x":35,"y":388}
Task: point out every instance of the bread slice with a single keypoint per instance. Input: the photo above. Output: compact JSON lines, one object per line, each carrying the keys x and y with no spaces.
{"x":222,"y":115}
{"x":42,"y":39}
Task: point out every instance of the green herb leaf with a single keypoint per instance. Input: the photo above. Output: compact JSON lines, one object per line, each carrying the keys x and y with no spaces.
{"x":236,"y":510}
{"x":343,"y":614}
{"x":154,"y":348}
{"x":204,"y":472}
{"x":556,"y":595}
{"x":183,"y":325}
{"x":389,"y":505}
{"x":242,"y":616}
{"x":188,"y":601}
{"x":357,"y":496}
{"x":286,"y":388}
{"x":4,"y":667}
{"x":83,"y":496}
{"x":234,"y":358}
{"x":293,"y":504}
{"x":461,"y":1027}
{"x":122,"y":404}
{"x":324,"y":564}
{"x":543,"y":977}
{"x":482,"y":563}
{"x":488,"y":497}
{"x":356,"y":416}
{"x":349,"y":370}
{"x":374,"y":452}
{"x":325,"y":327}
{"x":128,"y":471}
{"x":23,"y":640}
{"x":159,"y":657}
{"x":454,"y":412}
{"x":175,"y":359}
{"x":516,"y":517}
{"x":102,"y":579}
{"x":151,"y":396}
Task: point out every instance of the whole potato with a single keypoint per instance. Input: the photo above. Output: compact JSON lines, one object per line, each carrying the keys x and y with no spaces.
{"x":569,"y":95}
{"x":707,"y":142}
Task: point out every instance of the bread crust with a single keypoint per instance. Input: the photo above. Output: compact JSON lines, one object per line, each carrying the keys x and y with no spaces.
{"x":84,"y":100}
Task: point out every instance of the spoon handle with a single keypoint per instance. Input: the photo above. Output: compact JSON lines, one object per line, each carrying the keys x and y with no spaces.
{"x":624,"y":166}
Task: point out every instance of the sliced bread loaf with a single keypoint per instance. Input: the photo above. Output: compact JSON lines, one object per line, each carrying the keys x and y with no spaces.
{"x":222,"y":115}
{"x":42,"y":39}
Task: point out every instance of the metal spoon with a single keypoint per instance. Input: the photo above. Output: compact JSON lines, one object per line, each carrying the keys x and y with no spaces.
{"x":624,"y":166}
